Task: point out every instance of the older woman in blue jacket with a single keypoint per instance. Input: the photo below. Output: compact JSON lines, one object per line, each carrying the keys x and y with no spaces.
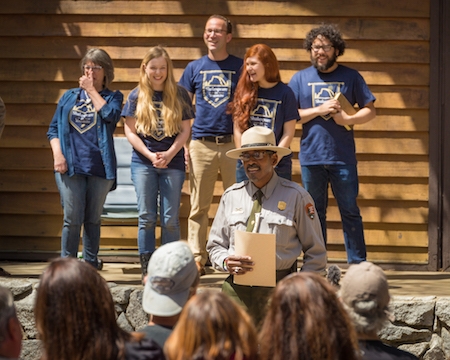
{"x":81,"y":138}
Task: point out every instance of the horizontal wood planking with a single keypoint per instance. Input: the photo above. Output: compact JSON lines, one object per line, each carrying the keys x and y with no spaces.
{"x":118,"y":25}
{"x":387,"y":120}
{"x":290,"y":53}
{"x":50,"y":92}
{"x":357,"y":8}
{"x":59,"y":70}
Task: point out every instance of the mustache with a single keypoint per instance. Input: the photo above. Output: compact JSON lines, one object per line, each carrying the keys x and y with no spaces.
{"x":252,"y":167}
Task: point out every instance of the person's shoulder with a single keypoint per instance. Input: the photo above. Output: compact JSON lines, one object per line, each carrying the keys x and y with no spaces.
{"x":346,"y":69}
{"x":133,"y":93}
{"x":235,"y":187}
{"x":301,"y":73}
{"x":114,"y":93}
{"x":234,"y":58}
{"x":144,"y":348}
{"x":197,"y":62}
{"x":182,"y":91}
{"x":372,"y":349}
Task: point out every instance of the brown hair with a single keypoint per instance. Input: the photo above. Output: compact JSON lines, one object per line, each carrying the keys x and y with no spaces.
{"x":100,"y":57}
{"x":212,"y":326}
{"x":306,"y":320}
{"x":75,"y":315}
{"x":246,"y":93}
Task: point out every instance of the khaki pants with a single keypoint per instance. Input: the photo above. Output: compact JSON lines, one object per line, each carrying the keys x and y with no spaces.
{"x":206,"y":160}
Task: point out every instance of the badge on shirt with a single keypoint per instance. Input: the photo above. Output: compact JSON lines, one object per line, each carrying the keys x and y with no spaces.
{"x":310,"y":211}
{"x":281,"y":205}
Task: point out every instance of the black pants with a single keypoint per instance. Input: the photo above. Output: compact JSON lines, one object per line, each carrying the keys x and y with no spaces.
{"x":254,"y":298}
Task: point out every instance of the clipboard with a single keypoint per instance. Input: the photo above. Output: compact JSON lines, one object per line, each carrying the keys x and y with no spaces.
{"x":345,"y":105}
{"x":262,"y":249}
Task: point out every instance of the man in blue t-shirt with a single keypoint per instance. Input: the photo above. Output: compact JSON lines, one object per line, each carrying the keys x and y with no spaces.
{"x":327,"y":147}
{"x":212,"y":79}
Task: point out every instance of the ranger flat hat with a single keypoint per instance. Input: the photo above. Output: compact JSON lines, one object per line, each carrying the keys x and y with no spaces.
{"x":258,"y":138}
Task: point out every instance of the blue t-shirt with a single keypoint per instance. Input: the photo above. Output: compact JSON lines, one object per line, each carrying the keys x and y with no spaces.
{"x":323,"y":141}
{"x":86,"y":155}
{"x":274,"y":107}
{"x":157,"y":141}
{"x":213,"y":83}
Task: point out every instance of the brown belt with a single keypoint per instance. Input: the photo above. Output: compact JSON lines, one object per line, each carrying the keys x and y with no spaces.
{"x":223,"y":139}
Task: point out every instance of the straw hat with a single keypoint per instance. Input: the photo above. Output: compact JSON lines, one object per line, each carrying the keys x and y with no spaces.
{"x":258,"y":138}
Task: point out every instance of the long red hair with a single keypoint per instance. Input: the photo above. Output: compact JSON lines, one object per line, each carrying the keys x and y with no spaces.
{"x":246,"y":93}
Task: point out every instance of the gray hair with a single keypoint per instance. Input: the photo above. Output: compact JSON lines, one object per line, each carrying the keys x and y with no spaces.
{"x":100,"y":57}
{"x":7,"y":311}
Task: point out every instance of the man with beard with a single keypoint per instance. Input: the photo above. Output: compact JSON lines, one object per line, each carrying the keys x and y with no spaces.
{"x":327,"y":146}
{"x":287,"y":210}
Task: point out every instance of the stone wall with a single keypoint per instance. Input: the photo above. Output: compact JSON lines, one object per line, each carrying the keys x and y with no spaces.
{"x":421,"y":326}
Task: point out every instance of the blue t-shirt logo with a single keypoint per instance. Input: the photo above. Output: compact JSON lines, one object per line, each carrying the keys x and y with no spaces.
{"x":324,"y":91}
{"x":264,"y":113}
{"x":159,"y":133}
{"x":83,"y":115}
{"x":216,"y":86}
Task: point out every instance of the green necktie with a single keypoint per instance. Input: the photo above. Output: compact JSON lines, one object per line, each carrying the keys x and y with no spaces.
{"x":255,"y":209}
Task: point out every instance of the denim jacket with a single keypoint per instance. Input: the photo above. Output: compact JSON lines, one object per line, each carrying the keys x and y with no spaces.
{"x":108,"y":117}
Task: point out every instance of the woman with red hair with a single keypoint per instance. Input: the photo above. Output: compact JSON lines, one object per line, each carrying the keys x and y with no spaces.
{"x":261,"y":99}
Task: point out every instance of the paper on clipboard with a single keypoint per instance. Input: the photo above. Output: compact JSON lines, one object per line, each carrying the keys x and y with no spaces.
{"x":262,"y":249}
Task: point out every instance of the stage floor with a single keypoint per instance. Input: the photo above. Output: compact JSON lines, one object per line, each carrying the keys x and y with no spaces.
{"x":400,"y":282}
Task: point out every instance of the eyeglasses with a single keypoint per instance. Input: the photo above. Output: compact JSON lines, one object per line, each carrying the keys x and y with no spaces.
{"x":325,"y":48}
{"x":214,"y":31}
{"x":93,"y":68}
{"x":257,"y":155}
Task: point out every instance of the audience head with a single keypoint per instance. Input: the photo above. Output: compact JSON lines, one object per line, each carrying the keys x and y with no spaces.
{"x":212,"y":326}
{"x":172,"y":279}
{"x":307,"y":321}
{"x":365,"y":294}
{"x":10,"y":328}
{"x":99,"y":57}
{"x":75,"y":312}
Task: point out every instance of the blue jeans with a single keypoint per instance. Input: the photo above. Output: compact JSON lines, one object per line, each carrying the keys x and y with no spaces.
{"x":345,"y":187}
{"x":241,"y":176}
{"x":149,"y":182}
{"x":82,"y":199}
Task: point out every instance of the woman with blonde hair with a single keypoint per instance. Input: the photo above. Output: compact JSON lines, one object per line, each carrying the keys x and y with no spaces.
{"x":158,"y":114}
{"x":261,"y":99}
{"x":76,"y":317}
{"x":306,"y":320}
{"x":212,"y":327}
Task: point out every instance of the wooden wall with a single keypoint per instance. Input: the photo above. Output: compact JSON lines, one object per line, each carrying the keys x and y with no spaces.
{"x":387,"y":41}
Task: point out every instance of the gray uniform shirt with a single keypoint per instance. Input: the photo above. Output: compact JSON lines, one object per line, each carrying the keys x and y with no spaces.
{"x":287,"y":211}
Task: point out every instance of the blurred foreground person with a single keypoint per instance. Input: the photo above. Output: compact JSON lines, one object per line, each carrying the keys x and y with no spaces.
{"x":212,"y":326}
{"x":10,"y":328}
{"x":307,"y":321}
{"x":76,"y":318}
{"x":365,"y":294}
{"x":172,"y":280}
